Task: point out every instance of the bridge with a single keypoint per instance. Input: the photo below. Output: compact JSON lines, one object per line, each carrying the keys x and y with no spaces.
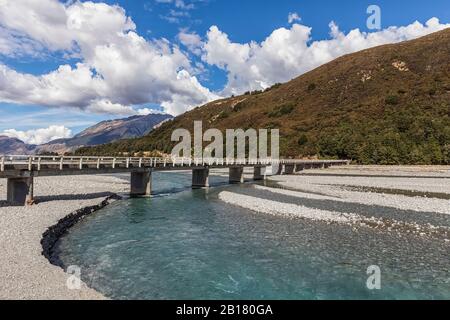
{"x":20,"y":171}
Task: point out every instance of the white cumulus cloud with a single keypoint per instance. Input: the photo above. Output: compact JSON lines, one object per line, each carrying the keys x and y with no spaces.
{"x":191,"y":40}
{"x":181,"y":4}
{"x":147,"y":111}
{"x":293,"y":17}
{"x":39,"y":136}
{"x":117,"y":68}
{"x":288,"y":53}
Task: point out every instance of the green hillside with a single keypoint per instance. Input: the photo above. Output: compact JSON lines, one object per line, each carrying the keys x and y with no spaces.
{"x":385,"y":105}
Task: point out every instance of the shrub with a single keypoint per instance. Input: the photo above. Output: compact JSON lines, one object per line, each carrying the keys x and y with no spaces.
{"x":275,"y":86}
{"x":239,"y":106}
{"x":392,"y":100}
{"x":281,"y":111}
{"x":311,"y":86}
{"x":223,"y":115}
{"x":303,"y":140}
{"x":272,"y":125}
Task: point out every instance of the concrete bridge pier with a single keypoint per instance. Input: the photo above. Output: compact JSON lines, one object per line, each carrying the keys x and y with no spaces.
{"x":259,"y":173}
{"x":141,"y":183}
{"x":20,"y":191}
{"x":236,"y":175}
{"x":289,"y":169}
{"x":200,"y":178}
{"x":279,"y":169}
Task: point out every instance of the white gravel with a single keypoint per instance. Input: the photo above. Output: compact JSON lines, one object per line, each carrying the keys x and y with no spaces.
{"x":438,"y":184}
{"x":421,"y":178}
{"x":419,"y":204}
{"x":24,"y":272}
{"x":324,"y":185}
{"x":406,"y":171}
{"x":285,"y":209}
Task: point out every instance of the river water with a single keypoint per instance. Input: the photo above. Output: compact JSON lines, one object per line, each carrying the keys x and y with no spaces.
{"x":187,"y":244}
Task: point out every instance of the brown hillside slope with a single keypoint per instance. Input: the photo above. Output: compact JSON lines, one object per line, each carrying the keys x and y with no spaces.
{"x":385,"y":105}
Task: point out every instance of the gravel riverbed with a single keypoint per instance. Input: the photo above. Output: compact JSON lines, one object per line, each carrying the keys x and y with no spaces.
{"x":371,"y":196}
{"x":405,"y":199}
{"x":24,"y":272}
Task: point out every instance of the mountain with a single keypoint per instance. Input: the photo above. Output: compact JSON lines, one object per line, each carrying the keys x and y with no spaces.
{"x":103,"y":132}
{"x":15,"y":146}
{"x":106,"y":132}
{"x":385,"y":105}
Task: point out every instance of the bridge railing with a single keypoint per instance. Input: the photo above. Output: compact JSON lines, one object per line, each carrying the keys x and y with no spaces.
{"x":62,"y":162}
{"x":81,"y":162}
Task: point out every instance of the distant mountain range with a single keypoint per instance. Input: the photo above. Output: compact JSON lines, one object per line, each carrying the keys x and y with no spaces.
{"x":101,"y":133}
{"x":15,"y":146}
{"x":385,"y":105}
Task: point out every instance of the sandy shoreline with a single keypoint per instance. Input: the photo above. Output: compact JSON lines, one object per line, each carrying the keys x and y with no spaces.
{"x":26,"y":274}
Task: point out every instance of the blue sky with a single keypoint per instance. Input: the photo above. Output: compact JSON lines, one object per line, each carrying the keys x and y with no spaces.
{"x":247,"y":20}
{"x":218,"y":59}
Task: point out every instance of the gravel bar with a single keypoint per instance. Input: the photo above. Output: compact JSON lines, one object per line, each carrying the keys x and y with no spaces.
{"x":24,"y":272}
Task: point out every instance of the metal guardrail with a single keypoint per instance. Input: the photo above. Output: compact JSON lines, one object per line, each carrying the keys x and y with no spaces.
{"x":61,"y":162}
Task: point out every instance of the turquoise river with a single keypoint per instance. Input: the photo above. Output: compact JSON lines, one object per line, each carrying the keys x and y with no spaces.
{"x":187,"y":244}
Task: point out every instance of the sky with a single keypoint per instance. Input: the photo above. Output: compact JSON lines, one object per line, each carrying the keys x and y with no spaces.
{"x":66,"y":65}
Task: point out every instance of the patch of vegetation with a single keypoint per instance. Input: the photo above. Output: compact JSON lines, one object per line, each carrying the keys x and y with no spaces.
{"x":48,"y":153}
{"x":275,"y":86}
{"x":311,"y":87}
{"x":392,"y":100}
{"x":223,"y":115}
{"x":281,"y":111}
{"x":253,"y":93}
{"x":239,"y":106}
{"x":400,"y":137}
{"x":272,"y":125}
{"x":302,"y":140}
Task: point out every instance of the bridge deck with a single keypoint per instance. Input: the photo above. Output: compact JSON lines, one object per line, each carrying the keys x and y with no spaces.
{"x":26,"y":166}
{"x":21,"y":170}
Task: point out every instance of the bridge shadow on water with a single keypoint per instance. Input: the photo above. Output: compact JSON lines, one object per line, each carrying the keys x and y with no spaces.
{"x":62,"y":197}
